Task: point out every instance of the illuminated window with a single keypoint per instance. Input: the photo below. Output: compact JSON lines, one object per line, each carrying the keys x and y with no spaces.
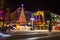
{"x":41,"y":17}
{"x":35,"y":18}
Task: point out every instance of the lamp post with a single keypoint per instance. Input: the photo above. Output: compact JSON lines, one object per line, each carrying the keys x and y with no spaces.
{"x":32,"y":19}
{"x":49,"y":26}
{"x":48,"y":22}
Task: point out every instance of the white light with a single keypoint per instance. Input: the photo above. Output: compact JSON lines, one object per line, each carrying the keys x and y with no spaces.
{"x":47,"y":21}
{"x":32,"y":19}
{"x":55,"y":16}
{"x":4,"y":35}
{"x":22,"y":5}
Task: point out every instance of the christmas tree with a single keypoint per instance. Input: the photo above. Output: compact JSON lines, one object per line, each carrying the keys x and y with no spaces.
{"x":22,"y":19}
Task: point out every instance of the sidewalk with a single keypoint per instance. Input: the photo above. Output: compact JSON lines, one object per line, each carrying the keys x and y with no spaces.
{"x":54,"y":32}
{"x":47,"y":30}
{"x":34,"y":30}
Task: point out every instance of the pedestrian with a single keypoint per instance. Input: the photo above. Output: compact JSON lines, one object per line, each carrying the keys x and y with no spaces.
{"x":50,"y":27}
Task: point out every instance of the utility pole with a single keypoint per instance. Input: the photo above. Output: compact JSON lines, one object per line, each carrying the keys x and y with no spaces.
{"x":32,"y":20}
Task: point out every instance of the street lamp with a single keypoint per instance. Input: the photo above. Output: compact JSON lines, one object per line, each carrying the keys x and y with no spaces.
{"x":48,"y":23}
{"x":49,"y":26}
{"x":32,"y":19}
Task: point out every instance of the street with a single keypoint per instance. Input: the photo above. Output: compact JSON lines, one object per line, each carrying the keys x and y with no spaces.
{"x":29,"y":20}
{"x":33,"y":35}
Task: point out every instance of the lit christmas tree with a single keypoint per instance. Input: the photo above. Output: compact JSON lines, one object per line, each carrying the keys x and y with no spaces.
{"x":22,"y":19}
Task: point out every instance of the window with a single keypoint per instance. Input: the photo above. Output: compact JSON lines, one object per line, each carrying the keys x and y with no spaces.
{"x":41,"y":17}
{"x":37,"y":17}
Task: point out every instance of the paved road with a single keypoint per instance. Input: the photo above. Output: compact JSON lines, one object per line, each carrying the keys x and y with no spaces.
{"x":35,"y":35}
{"x":32,"y":35}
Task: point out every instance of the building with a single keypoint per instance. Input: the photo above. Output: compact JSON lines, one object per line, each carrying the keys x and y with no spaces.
{"x":55,"y":21}
{"x":46,"y":19}
{"x":41,"y":18}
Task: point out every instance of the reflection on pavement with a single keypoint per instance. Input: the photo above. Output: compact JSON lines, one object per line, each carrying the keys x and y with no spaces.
{"x":4,"y":35}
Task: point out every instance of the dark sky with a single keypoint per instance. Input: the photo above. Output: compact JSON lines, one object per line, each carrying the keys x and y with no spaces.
{"x":33,"y":5}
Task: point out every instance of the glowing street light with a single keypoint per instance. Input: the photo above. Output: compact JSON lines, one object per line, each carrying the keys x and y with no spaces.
{"x":48,"y":22}
{"x":32,"y":19}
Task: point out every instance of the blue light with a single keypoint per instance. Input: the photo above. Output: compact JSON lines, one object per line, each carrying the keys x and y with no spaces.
{"x":35,"y":18}
{"x":22,"y":5}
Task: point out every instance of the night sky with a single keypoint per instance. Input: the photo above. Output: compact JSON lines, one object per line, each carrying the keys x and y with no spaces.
{"x":33,"y":5}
